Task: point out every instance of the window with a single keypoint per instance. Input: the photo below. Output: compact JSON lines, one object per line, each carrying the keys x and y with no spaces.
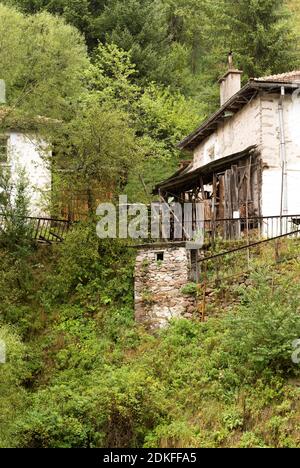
{"x":3,"y":149}
{"x":160,"y":257}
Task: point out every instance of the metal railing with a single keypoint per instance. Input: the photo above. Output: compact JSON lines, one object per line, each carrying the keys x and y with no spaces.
{"x":217,"y":272}
{"x":229,"y":229}
{"x":39,"y":229}
{"x":266,"y":227}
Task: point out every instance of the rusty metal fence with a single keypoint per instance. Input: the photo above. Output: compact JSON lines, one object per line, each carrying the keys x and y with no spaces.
{"x":42,"y":230}
{"x":229,"y":229}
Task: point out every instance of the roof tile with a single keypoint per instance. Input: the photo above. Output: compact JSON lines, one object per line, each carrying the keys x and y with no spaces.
{"x":283,"y":77}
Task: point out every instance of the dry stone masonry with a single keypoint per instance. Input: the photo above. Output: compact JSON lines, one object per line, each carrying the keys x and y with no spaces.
{"x":160,"y":275}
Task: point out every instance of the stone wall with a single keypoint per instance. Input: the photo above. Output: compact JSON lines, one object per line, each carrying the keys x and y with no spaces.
{"x":160,"y":274}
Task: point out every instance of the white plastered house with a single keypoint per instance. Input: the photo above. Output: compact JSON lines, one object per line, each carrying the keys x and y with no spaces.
{"x":246,"y":156}
{"x":23,"y":152}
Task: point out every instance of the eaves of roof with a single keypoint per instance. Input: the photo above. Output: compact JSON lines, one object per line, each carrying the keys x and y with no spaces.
{"x":233,"y":105}
{"x":189,"y":178}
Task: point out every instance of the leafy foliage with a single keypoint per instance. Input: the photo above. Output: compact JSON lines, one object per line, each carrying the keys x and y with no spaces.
{"x":98,"y":380}
{"x":41,"y":61}
{"x":15,"y":231}
{"x":262,"y":36}
{"x":80,"y":371}
{"x":12,"y":375}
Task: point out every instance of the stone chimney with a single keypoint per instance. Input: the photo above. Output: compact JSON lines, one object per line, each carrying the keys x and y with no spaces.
{"x":230,"y":83}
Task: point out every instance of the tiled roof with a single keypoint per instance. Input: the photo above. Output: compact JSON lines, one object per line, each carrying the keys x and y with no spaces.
{"x":237,"y":101}
{"x":283,"y":77}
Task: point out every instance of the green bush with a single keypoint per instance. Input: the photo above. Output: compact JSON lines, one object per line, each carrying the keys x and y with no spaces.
{"x":16,"y":228}
{"x":13,"y":396}
{"x":94,"y":378}
{"x":190,"y":288}
{"x":259,"y":335}
{"x":96,"y":272}
{"x":114,"y":408}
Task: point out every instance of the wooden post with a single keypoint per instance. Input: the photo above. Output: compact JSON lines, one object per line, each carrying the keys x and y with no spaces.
{"x":214,"y":209}
{"x":203,"y":306}
{"x":249,"y":164}
{"x":234,"y":201}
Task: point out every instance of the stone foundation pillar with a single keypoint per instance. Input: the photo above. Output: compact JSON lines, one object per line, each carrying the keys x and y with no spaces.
{"x":160,"y":274}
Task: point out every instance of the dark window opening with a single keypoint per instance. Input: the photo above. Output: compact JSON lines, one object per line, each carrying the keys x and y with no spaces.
{"x":160,"y":257}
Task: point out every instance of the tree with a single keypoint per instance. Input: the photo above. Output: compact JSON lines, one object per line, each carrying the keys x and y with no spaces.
{"x":261,"y":35}
{"x":95,"y":151}
{"x":111,"y":77}
{"x":15,"y":230}
{"x":148,"y":29}
{"x":138,"y":26}
{"x":83,"y":14}
{"x":294,"y":7}
{"x":42,"y":59}
{"x":159,"y":117}
{"x":12,"y":374}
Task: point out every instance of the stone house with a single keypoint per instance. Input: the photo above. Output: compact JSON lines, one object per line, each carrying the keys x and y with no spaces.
{"x":245,"y":165}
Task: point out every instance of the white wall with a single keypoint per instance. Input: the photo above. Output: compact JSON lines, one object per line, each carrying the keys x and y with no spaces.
{"x":258,"y":124}
{"x":29,"y":153}
{"x":232,"y":136}
{"x":271,"y":190}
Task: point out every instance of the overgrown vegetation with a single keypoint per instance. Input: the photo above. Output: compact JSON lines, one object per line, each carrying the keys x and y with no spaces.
{"x":86,"y":375}
{"x":149,"y":67}
{"x":122,"y":92}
